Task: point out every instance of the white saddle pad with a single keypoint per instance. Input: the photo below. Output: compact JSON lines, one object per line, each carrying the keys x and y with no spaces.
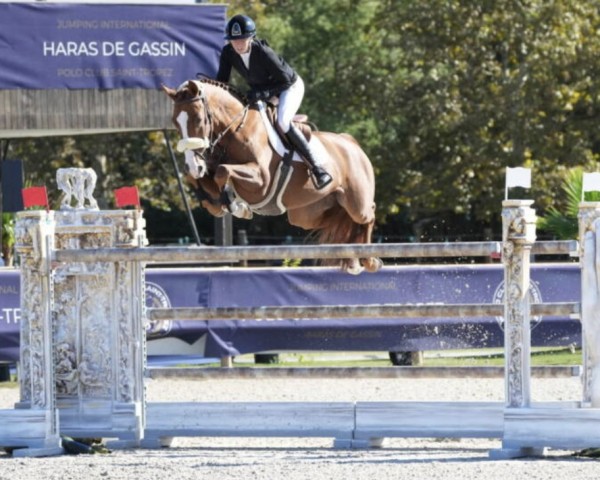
{"x":277,"y":145}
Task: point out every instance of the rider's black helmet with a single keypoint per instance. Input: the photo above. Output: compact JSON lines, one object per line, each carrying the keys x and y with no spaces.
{"x":239,"y":27}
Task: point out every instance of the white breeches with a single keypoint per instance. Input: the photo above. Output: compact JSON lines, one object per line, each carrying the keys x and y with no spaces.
{"x":289,"y":103}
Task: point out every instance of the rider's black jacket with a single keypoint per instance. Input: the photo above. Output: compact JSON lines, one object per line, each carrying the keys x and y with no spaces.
{"x":268,"y":75}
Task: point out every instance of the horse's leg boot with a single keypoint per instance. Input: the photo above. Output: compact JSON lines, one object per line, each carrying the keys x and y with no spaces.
{"x":320,"y":176}
{"x":227,"y":199}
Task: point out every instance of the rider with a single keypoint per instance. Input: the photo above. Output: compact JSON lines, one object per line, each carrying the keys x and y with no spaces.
{"x":268,"y":75}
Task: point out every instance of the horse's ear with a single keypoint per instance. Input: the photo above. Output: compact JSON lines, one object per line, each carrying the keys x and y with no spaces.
{"x":169,"y":91}
{"x":194,"y":88}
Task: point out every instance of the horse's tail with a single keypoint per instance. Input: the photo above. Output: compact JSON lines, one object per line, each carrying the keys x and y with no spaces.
{"x":338,"y":227}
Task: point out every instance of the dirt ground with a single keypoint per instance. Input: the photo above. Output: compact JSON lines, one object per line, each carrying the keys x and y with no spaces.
{"x":310,"y":458}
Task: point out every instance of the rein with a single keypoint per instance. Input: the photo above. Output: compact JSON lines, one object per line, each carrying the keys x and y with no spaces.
{"x":243,"y":114}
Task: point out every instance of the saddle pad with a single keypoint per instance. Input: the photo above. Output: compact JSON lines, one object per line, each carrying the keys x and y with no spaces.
{"x":277,"y":145}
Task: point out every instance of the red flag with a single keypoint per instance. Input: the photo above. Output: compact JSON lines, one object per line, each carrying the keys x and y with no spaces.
{"x":35,"y":197}
{"x":127,"y":196}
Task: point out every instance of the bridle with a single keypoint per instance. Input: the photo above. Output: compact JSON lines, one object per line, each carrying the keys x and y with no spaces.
{"x":213,"y":142}
{"x":200,"y":146}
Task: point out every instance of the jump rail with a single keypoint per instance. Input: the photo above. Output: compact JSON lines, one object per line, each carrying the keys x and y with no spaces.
{"x":281,"y":252}
{"x":354,"y":311}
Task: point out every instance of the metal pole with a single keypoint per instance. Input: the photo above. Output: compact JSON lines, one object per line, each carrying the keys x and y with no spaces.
{"x":5,"y":149}
{"x":181,"y":189}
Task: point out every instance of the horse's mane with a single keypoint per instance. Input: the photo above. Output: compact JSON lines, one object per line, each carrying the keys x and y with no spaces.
{"x":228,"y":88}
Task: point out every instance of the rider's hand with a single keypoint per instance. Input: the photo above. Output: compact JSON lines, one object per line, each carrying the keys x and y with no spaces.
{"x":256,"y":95}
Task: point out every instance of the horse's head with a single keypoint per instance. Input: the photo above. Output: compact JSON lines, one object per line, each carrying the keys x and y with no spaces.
{"x":192,"y":119}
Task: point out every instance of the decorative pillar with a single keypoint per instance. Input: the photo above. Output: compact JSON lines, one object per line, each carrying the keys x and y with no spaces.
{"x":34,"y":241}
{"x":86,"y":317}
{"x":530,"y":429}
{"x":518,"y":235}
{"x":34,"y":422}
{"x":99,"y":336}
{"x":589,"y":256}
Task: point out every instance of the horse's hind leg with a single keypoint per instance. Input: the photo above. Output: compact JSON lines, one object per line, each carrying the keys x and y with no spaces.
{"x":371,"y":264}
{"x":333,"y":225}
{"x":363,"y":216}
{"x":361,"y":234}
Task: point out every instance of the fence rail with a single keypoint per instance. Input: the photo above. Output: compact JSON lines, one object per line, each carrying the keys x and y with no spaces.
{"x":282,"y":252}
{"x":353,"y":311}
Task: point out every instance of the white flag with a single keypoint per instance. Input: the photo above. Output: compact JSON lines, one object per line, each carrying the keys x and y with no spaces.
{"x":591,"y":182}
{"x":518,"y":177}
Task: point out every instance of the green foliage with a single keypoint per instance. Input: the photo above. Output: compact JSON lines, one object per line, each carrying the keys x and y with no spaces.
{"x":118,"y":159}
{"x":442,"y":94}
{"x":562,"y":222}
{"x":291,"y":262}
{"x":8,"y":229}
{"x":8,"y":238}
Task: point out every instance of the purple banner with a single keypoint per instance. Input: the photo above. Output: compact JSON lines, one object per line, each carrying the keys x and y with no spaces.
{"x":404,"y":285}
{"x":10,"y":314}
{"x":190,"y":287}
{"x":79,"y":46}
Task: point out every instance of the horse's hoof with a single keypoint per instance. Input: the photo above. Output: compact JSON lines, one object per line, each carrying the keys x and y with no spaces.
{"x":352,"y":267}
{"x":242,"y":211}
{"x":373,"y":265}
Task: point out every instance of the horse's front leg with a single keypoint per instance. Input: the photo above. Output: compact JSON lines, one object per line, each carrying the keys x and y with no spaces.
{"x":250,"y":187}
{"x":208,"y":194}
{"x":248,"y":178}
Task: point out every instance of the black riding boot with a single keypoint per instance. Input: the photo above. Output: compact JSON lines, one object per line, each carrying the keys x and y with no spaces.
{"x":320,"y":176}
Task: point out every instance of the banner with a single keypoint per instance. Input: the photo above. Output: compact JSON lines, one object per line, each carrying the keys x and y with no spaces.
{"x":107,"y":46}
{"x":10,"y":314}
{"x":197,"y":287}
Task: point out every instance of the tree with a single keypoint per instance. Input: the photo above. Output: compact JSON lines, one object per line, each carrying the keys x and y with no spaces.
{"x":562,"y":220}
{"x":441,"y":94}
{"x":490,"y":85}
{"x":445,"y":94}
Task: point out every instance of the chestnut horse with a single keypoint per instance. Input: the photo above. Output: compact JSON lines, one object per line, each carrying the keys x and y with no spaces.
{"x":237,"y":163}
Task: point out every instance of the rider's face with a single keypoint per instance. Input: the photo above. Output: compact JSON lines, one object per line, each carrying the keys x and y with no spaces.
{"x":242,"y":45}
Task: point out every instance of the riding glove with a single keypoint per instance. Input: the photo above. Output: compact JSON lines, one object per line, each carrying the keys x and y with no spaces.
{"x":256,"y":95}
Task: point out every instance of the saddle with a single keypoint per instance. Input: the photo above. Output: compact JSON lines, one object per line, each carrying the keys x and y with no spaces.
{"x":300,"y":121}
